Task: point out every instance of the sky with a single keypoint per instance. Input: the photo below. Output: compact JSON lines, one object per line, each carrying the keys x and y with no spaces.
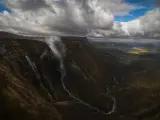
{"x":81,"y":17}
{"x":3,"y":7}
{"x":145,"y":6}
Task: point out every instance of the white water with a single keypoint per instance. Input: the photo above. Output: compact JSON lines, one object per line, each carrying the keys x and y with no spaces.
{"x":52,"y":41}
{"x":35,"y":70}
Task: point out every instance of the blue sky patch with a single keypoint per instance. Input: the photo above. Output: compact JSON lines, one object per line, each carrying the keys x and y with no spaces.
{"x":133,"y":14}
{"x":3,"y":7}
{"x":146,"y":4}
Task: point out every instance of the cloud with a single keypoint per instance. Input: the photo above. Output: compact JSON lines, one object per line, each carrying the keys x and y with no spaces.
{"x":118,"y":7}
{"x":151,"y":21}
{"x":75,"y":17}
{"x":26,"y":4}
{"x":147,"y":25}
{"x":144,"y":26}
{"x":66,"y":16}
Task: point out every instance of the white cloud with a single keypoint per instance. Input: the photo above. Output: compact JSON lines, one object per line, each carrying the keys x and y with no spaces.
{"x":76,"y":17}
{"x":118,"y":7}
{"x":66,"y":16}
{"x":151,"y":21}
{"x":148,"y":25}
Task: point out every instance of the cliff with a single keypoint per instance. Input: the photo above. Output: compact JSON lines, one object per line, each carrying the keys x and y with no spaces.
{"x":92,"y":85}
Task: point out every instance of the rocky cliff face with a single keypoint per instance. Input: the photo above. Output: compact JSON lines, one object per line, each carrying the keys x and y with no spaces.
{"x":92,"y":84}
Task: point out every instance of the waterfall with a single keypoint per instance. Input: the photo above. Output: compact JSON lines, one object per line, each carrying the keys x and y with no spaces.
{"x":58,"y":49}
{"x":38,"y":76}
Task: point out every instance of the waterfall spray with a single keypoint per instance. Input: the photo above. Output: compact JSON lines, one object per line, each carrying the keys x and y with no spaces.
{"x":58,"y":49}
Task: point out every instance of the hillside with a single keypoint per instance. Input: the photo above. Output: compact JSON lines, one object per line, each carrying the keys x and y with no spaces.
{"x":95,"y":85}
